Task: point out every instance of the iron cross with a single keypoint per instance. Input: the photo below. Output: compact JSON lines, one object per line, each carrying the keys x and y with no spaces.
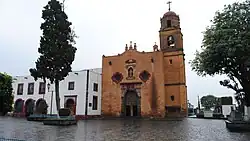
{"x":169,"y":2}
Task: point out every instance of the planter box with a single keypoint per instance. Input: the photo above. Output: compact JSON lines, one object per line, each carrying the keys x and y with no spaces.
{"x":62,"y":121}
{"x":237,"y":125}
{"x":36,"y":117}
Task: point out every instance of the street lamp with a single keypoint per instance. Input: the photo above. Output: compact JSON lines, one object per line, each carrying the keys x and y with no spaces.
{"x":51,"y":99}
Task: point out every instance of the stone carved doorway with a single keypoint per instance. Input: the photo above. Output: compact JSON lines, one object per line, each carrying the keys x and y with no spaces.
{"x":131,"y":103}
{"x":131,"y":99}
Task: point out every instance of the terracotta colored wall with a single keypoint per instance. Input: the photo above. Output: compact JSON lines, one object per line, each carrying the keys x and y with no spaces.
{"x":166,"y":79}
{"x":111,"y":92}
{"x":175,"y":78}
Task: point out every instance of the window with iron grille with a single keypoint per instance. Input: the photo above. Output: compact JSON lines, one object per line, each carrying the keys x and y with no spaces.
{"x":30,"y":88}
{"x":95,"y":102}
{"x":20,"y":89}
{"x":71,"y":86}
{"x":42,"y":88}
{"x":95,"y":87}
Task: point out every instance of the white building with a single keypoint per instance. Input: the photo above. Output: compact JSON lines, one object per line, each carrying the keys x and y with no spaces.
{"x":77,"y":88}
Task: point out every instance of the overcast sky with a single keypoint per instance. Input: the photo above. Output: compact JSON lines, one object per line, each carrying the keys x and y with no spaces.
{"x":104,"y":27}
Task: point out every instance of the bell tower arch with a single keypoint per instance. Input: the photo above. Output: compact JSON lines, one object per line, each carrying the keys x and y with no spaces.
{"x":170,"y":32}
{"x":171,"y":44}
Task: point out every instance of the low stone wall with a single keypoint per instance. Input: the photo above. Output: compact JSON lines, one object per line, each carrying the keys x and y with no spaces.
{"x":83,"y":117}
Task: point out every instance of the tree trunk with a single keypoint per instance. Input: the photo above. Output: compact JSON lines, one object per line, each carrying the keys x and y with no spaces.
{"x":57,"y":96}
{"x":247,"y":102}
{"x":248,"y":113}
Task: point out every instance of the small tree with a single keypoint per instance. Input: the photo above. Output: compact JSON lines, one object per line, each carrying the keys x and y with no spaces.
{"x":208,"y":102}
{"x":226,"y":49}
{"x":56,"y":47}
{"x":6,"y":96}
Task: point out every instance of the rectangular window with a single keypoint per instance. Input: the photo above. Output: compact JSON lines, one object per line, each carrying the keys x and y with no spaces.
{"x":94,"y":106}
{"x":31,"y":88}
{"x":20,"y":89}
{"x":71,"y":86}
{"x":42,"y":88}
{"x":168,"y":23}
{"x":95,"y":87}
{"x":171,"y":61}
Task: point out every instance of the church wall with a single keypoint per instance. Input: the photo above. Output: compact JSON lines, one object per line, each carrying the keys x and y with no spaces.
{"x":146,"y":99}
{"x":111,"y":92}
{"x":175,"y":72}
{"x":175,"y":81}
{"x":159,"y":81}
{"x":110,"y":96}
{"x":173,"y":91}
{"x":179,"y":93}
{"x":183,"y":94}
{"x":166,"y":67}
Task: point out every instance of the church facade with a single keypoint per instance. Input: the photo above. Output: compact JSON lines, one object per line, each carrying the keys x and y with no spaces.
{"x":147,"y":84}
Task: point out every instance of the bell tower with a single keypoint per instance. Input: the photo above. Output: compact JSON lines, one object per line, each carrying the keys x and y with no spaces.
{"x":170,"y":32}
{"x":171,"y":45}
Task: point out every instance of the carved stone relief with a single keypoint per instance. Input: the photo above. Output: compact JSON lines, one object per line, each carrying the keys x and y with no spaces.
{"x":130,"y":69}
{"x":130,"y":73}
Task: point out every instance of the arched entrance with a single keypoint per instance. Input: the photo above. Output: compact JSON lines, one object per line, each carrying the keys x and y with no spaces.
{"x":41,"y":106}
{"x":18,"y":107}
{"x":29,"y":107}
{"x":131,"y":104}
{"x":70,"y":103}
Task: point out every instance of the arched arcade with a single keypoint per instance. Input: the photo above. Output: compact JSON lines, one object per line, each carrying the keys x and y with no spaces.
{"x":19,"y":106}
{"x":41,"y":106}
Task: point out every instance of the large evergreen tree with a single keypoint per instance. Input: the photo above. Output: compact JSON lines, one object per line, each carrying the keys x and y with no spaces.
{"x":6,"y":96}
{"x":226,"y":49}
{"x":56,"y":47}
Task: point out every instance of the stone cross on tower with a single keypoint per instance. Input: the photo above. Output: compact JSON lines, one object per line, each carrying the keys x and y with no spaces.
{"x":169,"y":2}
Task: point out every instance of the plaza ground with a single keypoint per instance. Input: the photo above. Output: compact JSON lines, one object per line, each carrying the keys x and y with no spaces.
{"x":113,"y":130}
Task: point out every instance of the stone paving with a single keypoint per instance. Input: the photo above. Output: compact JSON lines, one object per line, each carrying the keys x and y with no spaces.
{"x":117,"y":130}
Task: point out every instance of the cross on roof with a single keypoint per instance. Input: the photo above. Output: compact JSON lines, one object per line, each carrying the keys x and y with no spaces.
{"x":169,"y":2}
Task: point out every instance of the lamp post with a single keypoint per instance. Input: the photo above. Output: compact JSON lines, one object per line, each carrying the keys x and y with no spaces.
{"x":199,"y":107}
{"x":51,"y":99}
{"x":43,"y":96}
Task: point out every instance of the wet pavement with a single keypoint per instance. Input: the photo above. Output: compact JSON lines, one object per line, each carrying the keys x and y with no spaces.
{"x":190,"y":129}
